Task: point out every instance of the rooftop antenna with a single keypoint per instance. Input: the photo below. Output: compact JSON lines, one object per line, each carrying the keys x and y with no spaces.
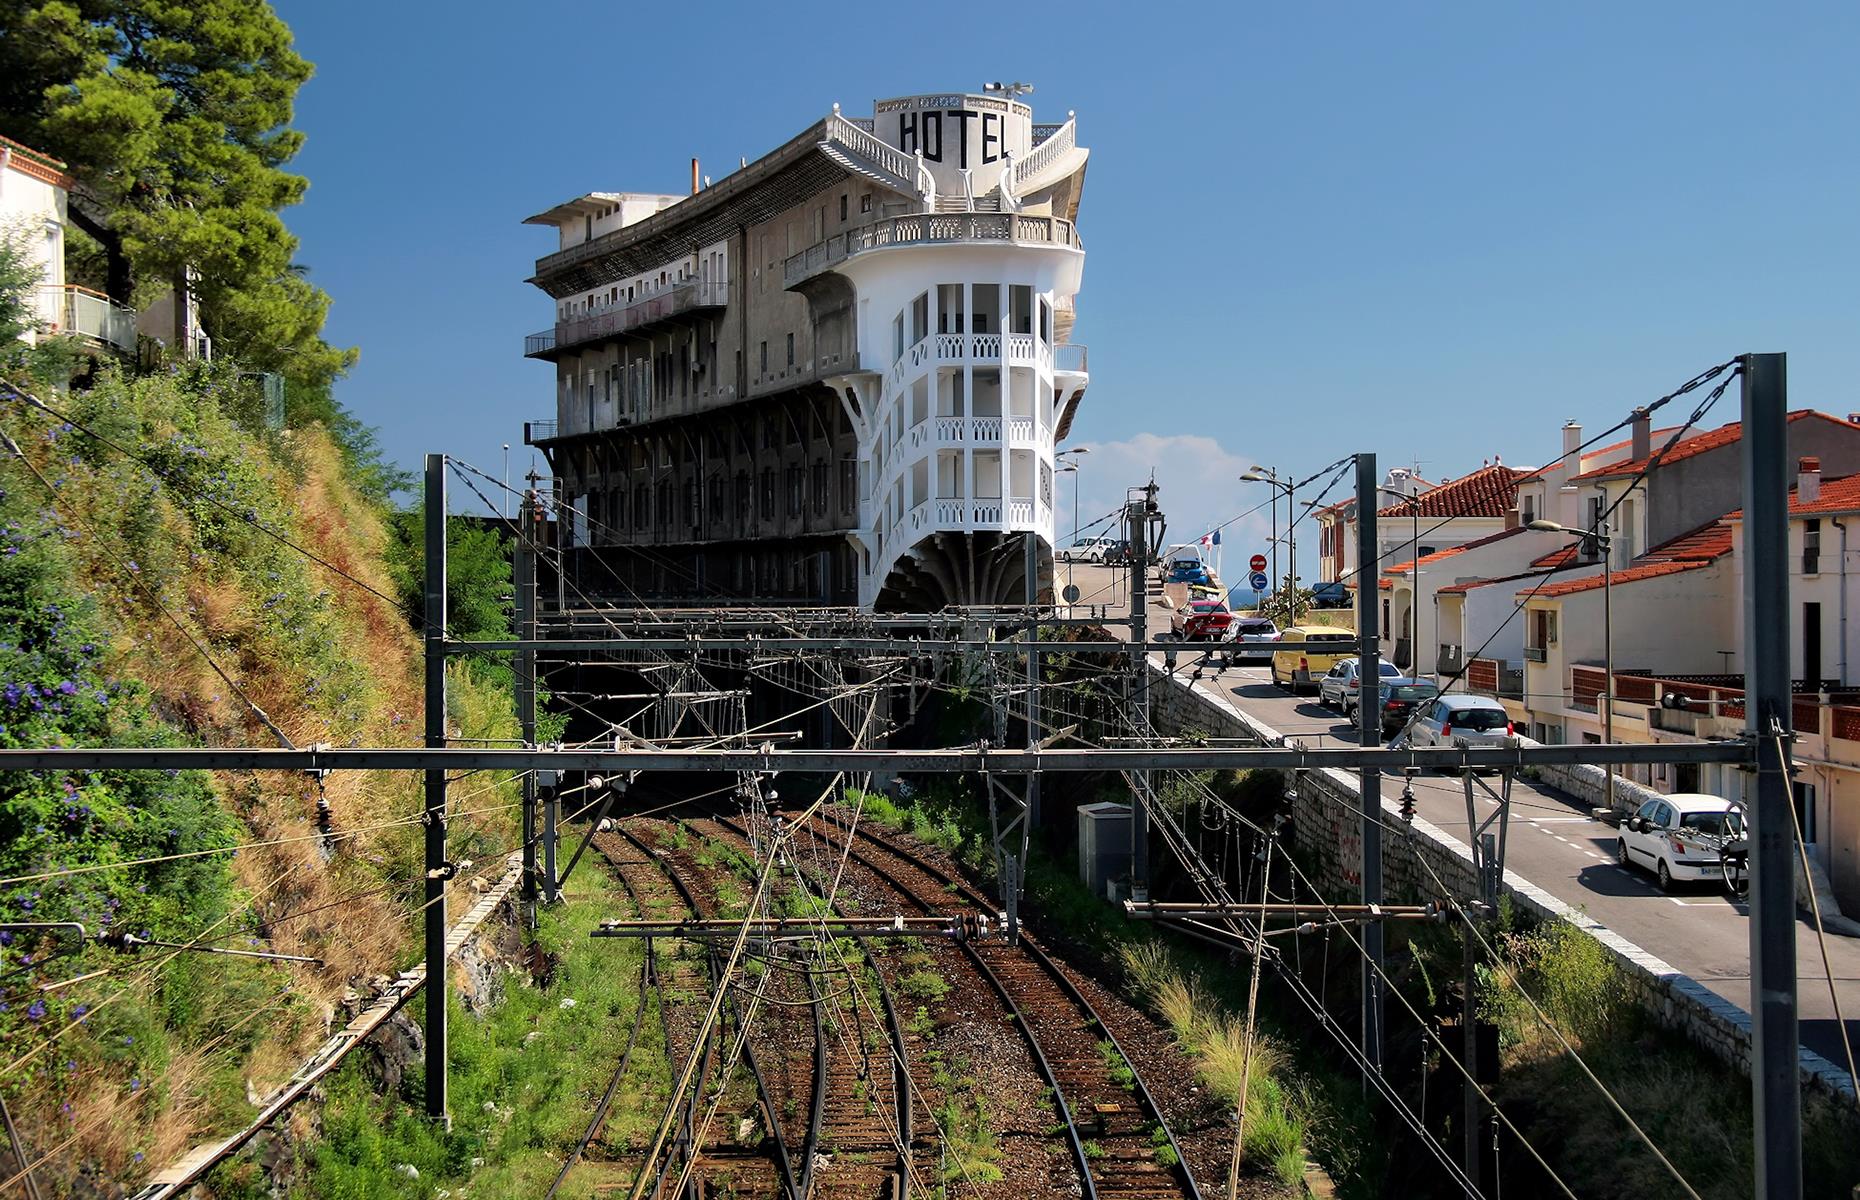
{"x":1012,"y":91}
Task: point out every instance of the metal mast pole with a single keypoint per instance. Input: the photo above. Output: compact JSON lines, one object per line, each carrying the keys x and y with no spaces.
{"x":1136,"y":516}
{"x":434,"y":817}
{"x":1291,"y":548}
{"x":1774,"y":1037}
{"x":525,"y":577}
{"x":1369,"y":682}
{"x":1277,"y":583}
{"x":1608,"y":656}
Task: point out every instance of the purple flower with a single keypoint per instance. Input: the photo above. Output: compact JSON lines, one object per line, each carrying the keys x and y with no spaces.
{"x":79,"y":1011}
{"x":68,"y":688}
{"x":135,"y":1085}
{"x":37,"y":1011}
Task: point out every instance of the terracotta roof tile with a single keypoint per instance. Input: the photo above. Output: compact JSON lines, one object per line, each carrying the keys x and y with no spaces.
{"x":1699,"y":548}
{"x":1716,"y":439}
{"x":1590,"y":583}
{"x":1403,"y":568}
{"x":1460,"y":589}
{"x":1837,"y":495}
{"x":1487,"y":492}
{"x":1562,"y":556}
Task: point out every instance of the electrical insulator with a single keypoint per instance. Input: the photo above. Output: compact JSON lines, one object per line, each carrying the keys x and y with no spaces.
{"x":1407,"y":803}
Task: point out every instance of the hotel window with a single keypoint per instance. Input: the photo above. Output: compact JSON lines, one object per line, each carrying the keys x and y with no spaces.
{"x":691,"y":502}
{"x":819,"y":482}
{"x":742,"y":496}
{"x":820,"y":224}
{"x":865,"y":202}
{"x":920,"y":318}
{"x":641,"y":508}
{"x":764,"y":368}
{"x":794,"y":491}
{"x":716,"y":495}
{"x":1046,"y":320}
{"x":768,"y":494}
{"x":987,"y":307}
{"x":791,"y":350}
{"x":843,"y":199}
{"x":1811,"y":547}
{"x":1020,"y":309}
{"x":849,"y":485}
{"x":949,"y":308}
{"x":897,"y":337}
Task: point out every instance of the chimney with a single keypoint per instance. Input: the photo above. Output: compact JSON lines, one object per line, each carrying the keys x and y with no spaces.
{"x":1568,"y":505}
{"x":1808,"y":480}
{"x":695,"y":179}
{"x":1513,"y":519}
{"x":1643,"y":435}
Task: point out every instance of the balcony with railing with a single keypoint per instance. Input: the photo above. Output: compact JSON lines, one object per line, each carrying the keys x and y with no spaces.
{"x":929,"y":229}
{"x":537,"y":432}
{"x":627,"y":316}
{"x":1069,"y":359}
{"x":92,"y":316}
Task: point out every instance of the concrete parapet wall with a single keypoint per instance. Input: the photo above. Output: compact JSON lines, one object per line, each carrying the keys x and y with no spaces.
{"x":1422,"y":862}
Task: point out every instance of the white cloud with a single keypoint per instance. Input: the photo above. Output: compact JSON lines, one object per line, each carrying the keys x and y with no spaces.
{"x":1199,"y":488}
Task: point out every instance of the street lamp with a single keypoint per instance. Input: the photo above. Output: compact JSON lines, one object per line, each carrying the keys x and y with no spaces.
{"x":1601,"y":537}
{"x":1266,"y":475}
{"x":1414,"y":586}
{"x":503,"y":501}
{"x":1075,"y":483}
{"x":1073,"y":469}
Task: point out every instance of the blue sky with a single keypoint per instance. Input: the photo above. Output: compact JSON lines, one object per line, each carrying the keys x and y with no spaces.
{"x":1436,"y":231}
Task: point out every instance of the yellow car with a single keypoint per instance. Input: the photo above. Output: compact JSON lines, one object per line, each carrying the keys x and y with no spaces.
{"x":1306,"y":652}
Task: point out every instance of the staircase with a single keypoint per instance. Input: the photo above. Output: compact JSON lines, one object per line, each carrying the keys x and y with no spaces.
{"x":956,"y":204}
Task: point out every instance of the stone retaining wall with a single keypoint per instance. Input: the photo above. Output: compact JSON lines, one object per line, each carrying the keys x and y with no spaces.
{"x":1422,"y":862}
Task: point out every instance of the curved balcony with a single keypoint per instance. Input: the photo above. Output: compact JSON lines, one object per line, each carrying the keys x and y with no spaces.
{"x":929,"y":229}
{"x":693,"y":295}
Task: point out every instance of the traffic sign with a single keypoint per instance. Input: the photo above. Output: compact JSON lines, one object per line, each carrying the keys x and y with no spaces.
{"x":1071,"y":593}
{"x":1258,"y":581}
{"x":1256,"y":563}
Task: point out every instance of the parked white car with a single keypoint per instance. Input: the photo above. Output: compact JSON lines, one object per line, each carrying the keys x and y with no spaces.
{"x":1087,"y":550}
{"x":1679,"y":837}
{"x":1461,"y":720}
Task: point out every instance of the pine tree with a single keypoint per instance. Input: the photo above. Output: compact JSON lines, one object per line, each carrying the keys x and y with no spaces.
{"x":174,"y":116}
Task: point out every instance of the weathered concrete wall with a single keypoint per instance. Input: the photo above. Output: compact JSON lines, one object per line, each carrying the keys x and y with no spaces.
{"x":1422,"y":862}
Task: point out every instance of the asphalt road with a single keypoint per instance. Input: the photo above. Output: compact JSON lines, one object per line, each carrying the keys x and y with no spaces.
{"x":1557,"y":846}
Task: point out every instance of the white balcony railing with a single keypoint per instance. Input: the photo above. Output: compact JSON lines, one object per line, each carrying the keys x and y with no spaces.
{"x":919,"y":229}
{"x":986,"y":429}
{"x":80,"y":312}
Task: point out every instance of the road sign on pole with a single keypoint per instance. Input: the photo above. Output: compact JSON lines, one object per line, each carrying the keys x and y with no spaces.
{"x":1256,"y":563}
{"x":1258,"y":581}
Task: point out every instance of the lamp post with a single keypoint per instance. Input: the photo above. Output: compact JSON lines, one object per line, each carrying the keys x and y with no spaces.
{"x":1603,"y":542}
{"x":1414,"y":580}
{"x":503,"y":502}
{"x":1073,"y":469}
{"x":1266,"y":475}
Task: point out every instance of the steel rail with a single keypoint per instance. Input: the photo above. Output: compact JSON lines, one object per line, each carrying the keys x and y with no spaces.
{"x":749,"y":1055}
{"x":956,"y":760}
{"x":1052,"y":968}
{"x":900,"y":1059}
{"x":1088,"y":1185}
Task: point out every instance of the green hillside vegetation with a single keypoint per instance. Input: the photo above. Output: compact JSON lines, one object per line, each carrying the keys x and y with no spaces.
{"x":143,"y":553}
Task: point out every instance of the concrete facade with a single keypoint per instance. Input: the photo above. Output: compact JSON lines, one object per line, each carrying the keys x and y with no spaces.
{"x":834,"y":376}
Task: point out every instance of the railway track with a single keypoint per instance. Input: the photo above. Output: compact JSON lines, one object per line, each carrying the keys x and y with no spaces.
{"x":860,"y":1134}
{"x":683,"y":984}
{"x":1113,"y":1123}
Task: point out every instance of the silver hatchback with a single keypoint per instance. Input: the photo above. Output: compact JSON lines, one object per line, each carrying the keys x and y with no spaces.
{"x":1461,"y":720}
